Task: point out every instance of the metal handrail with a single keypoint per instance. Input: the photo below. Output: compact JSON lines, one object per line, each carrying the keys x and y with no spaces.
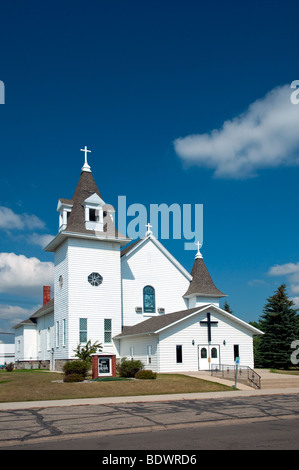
{"x":228,"y":371}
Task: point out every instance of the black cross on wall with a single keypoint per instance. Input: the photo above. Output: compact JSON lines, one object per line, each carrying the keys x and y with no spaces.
{"x":209,"y":323}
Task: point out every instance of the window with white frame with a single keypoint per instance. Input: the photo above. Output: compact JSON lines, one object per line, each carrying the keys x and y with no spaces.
{"x":38,"y":341}
{"x":63,"y":332}
{"x":82,"y":330}
{"x":48,"y":338}
{"x":149,"y":354}
{"x":57,"y":334}
{"x":107,"y":330}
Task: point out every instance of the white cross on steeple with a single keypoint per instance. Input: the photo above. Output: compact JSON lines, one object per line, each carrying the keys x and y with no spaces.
{"x":148,"y":226}
{"x":198,"y":254}
{"x":85,"y":167}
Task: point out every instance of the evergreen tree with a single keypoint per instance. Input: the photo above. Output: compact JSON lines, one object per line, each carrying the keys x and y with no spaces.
{"x":226,"y":307}
{"x":256,"y":344}
{"x":279,"y":323}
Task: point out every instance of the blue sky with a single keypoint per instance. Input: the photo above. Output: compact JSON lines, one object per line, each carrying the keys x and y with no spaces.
{"x":148,"y":87}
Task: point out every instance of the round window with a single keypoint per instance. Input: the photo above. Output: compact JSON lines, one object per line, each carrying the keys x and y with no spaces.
{"x":95,"y":279}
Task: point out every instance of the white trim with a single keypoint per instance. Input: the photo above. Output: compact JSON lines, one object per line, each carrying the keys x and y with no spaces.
{"x":62,"y":236}
{"x":222,"y":312}
{"x":168,"y":255}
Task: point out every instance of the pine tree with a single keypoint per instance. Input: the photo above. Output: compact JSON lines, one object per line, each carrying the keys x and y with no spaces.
{"x":227,"y":308}
{"x":279,"y":323}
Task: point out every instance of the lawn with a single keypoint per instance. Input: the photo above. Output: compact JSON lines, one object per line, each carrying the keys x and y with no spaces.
{"x":31,"y":385}
{"x":288,"y":372}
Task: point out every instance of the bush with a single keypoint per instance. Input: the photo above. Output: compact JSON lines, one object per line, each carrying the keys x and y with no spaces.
{"x":9,"y":367}
{"x":129,"y":367}
{"x":73,"y":378}
{"x":76,"y":367}
{"x":146,"y":375}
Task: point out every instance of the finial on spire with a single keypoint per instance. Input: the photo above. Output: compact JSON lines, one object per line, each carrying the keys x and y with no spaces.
{"x":148,"y":226}
{"x":198,"y":254}
{"x":85,"y":167}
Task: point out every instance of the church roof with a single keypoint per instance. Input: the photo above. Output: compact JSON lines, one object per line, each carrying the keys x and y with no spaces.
{"x":47,"y":308}
{"x":76,"y":221}
{"x":85,"y":188}
{"x":154,"y":324}
{"x":128,"y":248}
{"x":202,"y":283}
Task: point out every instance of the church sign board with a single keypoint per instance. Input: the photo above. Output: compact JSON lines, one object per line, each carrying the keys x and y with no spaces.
{"x":103,"y":365}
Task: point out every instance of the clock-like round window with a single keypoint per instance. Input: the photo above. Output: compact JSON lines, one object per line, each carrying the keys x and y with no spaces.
{"x":95,"y":279}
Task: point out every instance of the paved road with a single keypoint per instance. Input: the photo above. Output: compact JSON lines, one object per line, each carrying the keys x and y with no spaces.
{"x":264,"y":421}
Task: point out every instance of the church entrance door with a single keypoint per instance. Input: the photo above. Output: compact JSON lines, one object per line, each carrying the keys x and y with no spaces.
{"x":208,"y":354}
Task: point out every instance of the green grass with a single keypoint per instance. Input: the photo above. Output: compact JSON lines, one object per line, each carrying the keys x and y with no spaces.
{"x":32,"y":385}
{"x":289,"y":372}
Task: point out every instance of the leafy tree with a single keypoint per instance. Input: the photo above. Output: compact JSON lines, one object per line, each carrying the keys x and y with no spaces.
{"x":85,"y":352}
{"x":280,"y":325}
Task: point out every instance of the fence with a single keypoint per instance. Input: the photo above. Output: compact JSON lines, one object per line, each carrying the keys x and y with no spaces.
{"x":245,"y":374}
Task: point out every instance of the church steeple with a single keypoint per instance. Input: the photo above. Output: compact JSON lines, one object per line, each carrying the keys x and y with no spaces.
{"x":202,"y":284}
{"x":86,"y":214}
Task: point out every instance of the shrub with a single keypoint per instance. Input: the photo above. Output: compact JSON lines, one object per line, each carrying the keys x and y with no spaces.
{"x":85,"y":352}
{"x":146,"y":375}
{"x":73,"y":378}
{"x":9,"y":367}
{"x":76,"y":367}
{"x":129,"y":367}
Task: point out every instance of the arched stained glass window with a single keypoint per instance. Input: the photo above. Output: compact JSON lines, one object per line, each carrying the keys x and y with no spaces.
{"x":149,"y":299}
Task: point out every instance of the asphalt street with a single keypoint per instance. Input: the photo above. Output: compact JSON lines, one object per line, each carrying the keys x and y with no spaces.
{"x":264,"y":421}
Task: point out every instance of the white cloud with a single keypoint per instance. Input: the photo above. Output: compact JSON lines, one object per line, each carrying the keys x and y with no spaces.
{"x":41,"y":240}
{"x":291,"y":272}
{"x":9,"y":220}
{"x":296,"y":301}
{"x":283,"y":269}
{"x":265,"y":136}
{"x":24,"y":276}
{"x":11,"y":315}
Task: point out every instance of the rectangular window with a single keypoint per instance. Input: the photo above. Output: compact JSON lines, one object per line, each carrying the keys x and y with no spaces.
{"x":82,"y":330}
{"x":57,"y":334}
{"x":63,"y":332}
{"x":48,"y":338}
{"x":179,"y":354}
{"x":149,"y":354}
{"x":236,"y":351}
{"x":107,"y":330}
{"x":38,"y":341}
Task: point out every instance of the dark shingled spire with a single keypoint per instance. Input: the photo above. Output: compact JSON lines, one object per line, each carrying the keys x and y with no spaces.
{"x":76,"y":221}
{"x":202,"y":283}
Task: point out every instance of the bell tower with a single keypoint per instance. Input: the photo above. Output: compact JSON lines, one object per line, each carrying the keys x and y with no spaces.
{"x":87,"y":272}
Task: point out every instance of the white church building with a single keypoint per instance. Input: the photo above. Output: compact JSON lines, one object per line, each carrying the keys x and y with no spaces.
{"x":133,"y":297}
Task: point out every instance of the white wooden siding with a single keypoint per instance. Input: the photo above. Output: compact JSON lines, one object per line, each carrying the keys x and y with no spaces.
{"x":185,"y":332}
{"x":93,"y":302}
{"x":61,"y":297}
{"x":147,"y":265}
{"x":140,"y":345}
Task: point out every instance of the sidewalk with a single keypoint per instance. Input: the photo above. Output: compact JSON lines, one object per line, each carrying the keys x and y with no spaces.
{"x":272,"y":384}
{"x":269,"y":380}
